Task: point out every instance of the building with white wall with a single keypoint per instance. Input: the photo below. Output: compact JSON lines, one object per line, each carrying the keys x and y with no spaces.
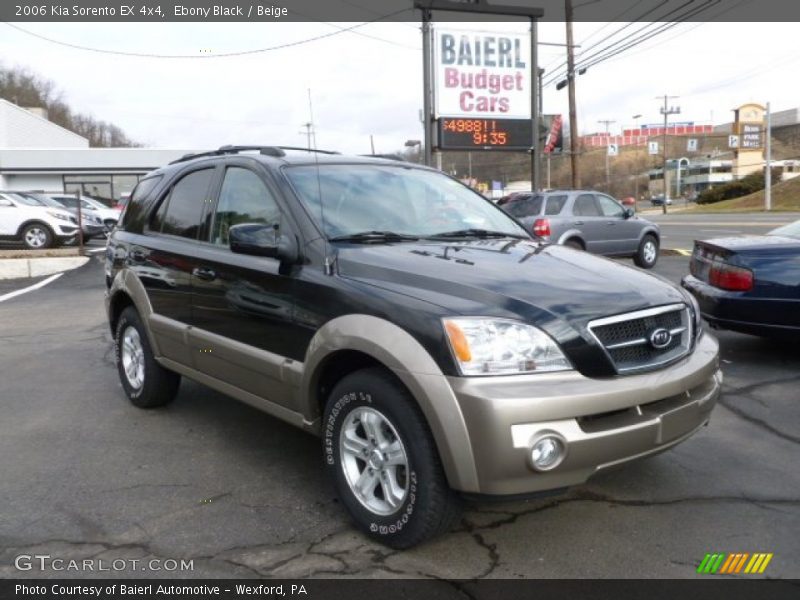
{"x":36,"y":154}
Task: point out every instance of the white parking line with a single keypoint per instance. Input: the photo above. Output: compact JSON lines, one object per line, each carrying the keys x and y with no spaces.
{"x":31,"y":288}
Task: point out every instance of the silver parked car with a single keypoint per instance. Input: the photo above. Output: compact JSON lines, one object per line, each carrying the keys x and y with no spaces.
{"x":590,"y":221}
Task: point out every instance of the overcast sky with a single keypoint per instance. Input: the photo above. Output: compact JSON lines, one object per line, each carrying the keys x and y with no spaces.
{"x":361,"y":85}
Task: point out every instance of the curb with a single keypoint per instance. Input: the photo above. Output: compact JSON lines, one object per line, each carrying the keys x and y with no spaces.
{"x":21,"y":268}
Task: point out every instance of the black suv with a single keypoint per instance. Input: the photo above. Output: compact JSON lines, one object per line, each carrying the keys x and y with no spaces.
{"x":434,"y":346}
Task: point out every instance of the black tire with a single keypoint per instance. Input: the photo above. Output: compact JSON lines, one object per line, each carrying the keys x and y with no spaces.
{"x":159,"y":385}
{"x":429,"y":506}
{"x":40,"y":232}
{"x":646,"y":256}
{"x":574,"y":243}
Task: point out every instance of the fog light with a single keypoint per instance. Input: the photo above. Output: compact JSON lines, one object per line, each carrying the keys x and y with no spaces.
{"x":547,"y":452}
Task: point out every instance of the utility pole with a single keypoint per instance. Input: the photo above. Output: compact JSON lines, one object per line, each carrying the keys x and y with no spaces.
{"x":667,"y":110}
{"x":573,"y":113}
{"x":607,"y":122}
{"x":636,"y":162}
{"x":768,"y":172}
{"x":426,"y":86}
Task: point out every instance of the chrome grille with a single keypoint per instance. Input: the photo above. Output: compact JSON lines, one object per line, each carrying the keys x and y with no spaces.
{"x":632,"y":344}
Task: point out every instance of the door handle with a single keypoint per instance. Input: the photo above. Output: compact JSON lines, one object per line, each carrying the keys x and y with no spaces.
{"x":204,"y":273}
{"x":611,"y":223}
{"x":577,"y":222}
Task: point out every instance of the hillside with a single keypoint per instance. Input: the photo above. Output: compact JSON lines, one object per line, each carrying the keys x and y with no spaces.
{"x":785,"y":197}
{"x":27,"y":89}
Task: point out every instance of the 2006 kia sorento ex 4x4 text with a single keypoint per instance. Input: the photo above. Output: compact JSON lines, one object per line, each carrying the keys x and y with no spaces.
{"x":433,"y":345}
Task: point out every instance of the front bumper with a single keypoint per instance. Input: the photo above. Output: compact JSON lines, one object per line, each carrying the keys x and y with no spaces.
{"x":604,"y":422}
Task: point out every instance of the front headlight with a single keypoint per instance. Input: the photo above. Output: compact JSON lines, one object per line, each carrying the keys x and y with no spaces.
{"x":57,"y":215}
{"x":487,"y":346}
{"x":697,"y":317}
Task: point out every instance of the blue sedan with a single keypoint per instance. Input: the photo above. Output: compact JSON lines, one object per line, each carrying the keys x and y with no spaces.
{"x":749,"y":284}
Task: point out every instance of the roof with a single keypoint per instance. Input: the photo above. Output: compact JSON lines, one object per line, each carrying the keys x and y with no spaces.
{"x":20,"y":128}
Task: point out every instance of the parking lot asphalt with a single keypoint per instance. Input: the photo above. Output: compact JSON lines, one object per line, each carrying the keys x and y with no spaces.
{"x":85,"y":474}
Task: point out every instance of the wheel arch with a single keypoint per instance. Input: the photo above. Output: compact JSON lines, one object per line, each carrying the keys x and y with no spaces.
{"x":35,"y":221}
{"x":127,"y":290}
{"x":352,"y":342}
{"x":572,"y":234}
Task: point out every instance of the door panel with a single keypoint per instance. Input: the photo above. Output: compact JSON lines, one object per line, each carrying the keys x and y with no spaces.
{"x":622,"y":234}
{"x":244,"y":302}
{"x":587,"y":218}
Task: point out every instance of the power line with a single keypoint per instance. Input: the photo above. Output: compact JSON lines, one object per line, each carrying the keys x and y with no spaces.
{"x":655,"y":29}
{"x":203,"y":56}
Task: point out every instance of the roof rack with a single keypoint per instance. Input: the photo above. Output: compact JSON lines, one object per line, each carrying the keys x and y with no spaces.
{"x":276,"y":151}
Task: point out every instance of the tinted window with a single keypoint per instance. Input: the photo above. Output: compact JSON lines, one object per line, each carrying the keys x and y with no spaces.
{"x":133,"y":210}
{"x":144,"y":188}
{"x":555,"y":204}
{"x":585,"y":206}
{"x":525,"y":207}
{"x":609,"y":207}
{"x":28,"y":200}
{"x":181,"y":212}
{"x":243,"y":199}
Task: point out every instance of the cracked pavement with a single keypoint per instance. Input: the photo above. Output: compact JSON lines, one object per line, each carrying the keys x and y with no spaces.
{"x":84,"y":474}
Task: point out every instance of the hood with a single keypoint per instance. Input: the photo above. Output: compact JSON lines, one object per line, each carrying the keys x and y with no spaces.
{"x":554,"y":287}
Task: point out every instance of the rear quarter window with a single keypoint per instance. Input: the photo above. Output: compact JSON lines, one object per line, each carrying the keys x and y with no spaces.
{"x":524,"y":207}
{"x":555,"y":204}
{"x":134,"y":208}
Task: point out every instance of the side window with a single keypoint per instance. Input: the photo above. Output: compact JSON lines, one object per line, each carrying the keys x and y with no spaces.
{"x":555,"y":204}
{"x":585,"y":206}
{"x":181,"y":212}
{"x":609,"y":207}
{"x":243,"y":199}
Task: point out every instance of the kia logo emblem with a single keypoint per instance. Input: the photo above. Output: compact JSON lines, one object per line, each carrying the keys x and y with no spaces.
{"x":660,"y":338}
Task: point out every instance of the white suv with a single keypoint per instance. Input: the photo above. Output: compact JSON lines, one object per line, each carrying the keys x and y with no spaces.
{"x":36,"y":225}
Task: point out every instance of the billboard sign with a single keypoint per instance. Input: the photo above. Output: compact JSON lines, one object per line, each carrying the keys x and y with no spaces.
{"x":482,"y":74}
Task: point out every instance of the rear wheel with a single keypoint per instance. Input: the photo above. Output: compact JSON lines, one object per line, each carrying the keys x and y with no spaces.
{"x":146,"y":383}
{"x":573,"y":243}
{"x":647,"y":254}
{"x":384,"y":463}
{"x":37,"y":236}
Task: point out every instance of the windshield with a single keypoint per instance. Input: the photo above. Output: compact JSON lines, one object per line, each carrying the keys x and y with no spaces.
{"x":352,"y":199}
{"x":791,"y":230}
{"x":46,"y":200}
{"x":28,"y":200}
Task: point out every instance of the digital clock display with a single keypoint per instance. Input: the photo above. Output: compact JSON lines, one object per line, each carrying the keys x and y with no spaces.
{"x":484,"y":134}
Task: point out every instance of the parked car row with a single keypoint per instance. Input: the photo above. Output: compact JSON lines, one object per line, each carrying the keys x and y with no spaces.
{"x":39,"y":220}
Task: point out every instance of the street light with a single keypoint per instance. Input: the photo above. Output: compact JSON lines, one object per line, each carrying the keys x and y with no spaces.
{"x":411,"y":144}
{"x":678,"y":177}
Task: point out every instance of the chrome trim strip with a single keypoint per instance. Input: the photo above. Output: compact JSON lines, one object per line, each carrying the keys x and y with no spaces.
{"x":636,"y":342}
{"x":639,"y":314}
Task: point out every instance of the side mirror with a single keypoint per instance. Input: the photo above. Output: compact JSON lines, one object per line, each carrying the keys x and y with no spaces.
{"x":258,"y":239}
{"x":6,"y":202}
{"x":628,"y":213}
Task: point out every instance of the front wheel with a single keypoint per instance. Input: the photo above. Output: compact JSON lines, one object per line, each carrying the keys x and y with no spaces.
{"x":647,"y":254}
{"x":381,"y":455}
{"x":37,"y":236}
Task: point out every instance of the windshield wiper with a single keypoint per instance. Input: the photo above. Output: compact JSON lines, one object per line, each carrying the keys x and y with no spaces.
{"x":479,"y":233}
{"x":374,"y":236}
